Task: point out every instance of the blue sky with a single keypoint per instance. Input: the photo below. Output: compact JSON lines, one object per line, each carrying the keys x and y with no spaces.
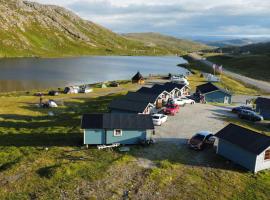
{"x":181,"y":18}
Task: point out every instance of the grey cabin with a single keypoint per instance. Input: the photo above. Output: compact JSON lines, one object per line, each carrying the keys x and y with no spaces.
{"x":212,"y":93}
{"x":263,"y":107}
{"x":123,"y":105}
{"x":245,"y":147}
{"x":111,"y":128}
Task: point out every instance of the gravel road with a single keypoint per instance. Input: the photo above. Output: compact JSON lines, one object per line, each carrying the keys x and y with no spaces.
{"x":265,"y":86}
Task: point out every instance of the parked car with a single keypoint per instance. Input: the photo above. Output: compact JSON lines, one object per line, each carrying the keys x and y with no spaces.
{"x":85,"y":89}
{"x":177,"y":101}
{"x":180,"y":80}
{"x":201,"y":140}
{"x":171,"y":109}
{"x":53,"y":93}
{"x":187,"y":100}
{"x":114,"y":84}
{"x":250,"y":115}
{"x":239,"y":108}
{"x":159,"y":119}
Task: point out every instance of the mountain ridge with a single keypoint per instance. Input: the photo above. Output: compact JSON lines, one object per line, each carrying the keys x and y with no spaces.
{"x":31,"y":29}
{"x":166,"y":41}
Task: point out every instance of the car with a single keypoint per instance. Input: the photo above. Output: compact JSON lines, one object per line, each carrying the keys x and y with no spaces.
{"x":180,"y":80}
{"x":177,"y":101}
{"x":239,"y":108}
{"x":53,"y":93}
{"x":250,"y":115}
{"x":171,"y":109}
{"x":187,"y":100}
{"x":114,"y":84}
{"x":85,"y":89}
{"x":159,"y":119}
{"x":201,"y":140}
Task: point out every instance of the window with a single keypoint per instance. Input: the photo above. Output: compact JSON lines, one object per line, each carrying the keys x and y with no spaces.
{"x":117,"y":133}
{"x":267,"y":155}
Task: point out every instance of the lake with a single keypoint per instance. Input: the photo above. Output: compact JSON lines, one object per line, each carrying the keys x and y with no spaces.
{"x":20,"y":74}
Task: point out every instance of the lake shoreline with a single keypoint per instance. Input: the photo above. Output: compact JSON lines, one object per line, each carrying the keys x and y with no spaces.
{"x":26,"y":74}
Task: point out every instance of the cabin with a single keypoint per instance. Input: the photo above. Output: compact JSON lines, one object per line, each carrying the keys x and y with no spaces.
{"x":163,"y":95}
{"x":262,"y":106}
{"x":212,"y":93}
{"x":245,"y":147}
{"x":138,"y":78}
{"x":112,"y":128}
{"x":176,"y":89}
{"x":123,"y":105}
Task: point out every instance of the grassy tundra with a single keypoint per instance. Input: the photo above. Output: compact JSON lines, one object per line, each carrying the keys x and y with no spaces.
{"x":41,"y":157}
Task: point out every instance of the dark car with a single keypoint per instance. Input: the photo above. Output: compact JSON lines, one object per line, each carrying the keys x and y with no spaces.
{"x":239,"y":108}
{"x":114,"y":84}
{"x":250,"y":115}
{"x":53,"y":93}
{"x":201,"y":140}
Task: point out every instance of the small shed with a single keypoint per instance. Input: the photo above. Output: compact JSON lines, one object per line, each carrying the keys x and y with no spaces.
{"x":263,"y":107}
{"x":111,"y":128}
{"x":245,"y":147}
{"x":138,"y":78}
{"x":130,"y":106}
{"x":213,"y":93}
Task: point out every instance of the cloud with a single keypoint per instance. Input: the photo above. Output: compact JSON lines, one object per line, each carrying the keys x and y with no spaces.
{"x":175,"y":17}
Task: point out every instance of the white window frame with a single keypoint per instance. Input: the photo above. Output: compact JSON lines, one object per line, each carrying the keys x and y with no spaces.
{"x":266,"y":160}
{"x":116,"y":134}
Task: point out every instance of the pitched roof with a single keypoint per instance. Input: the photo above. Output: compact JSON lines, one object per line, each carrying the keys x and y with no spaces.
{"x":141,"y":97}
{"x":115,"y":121}
{"x":247,"y":139}
{"x":169,"y":86}
{"x":137,"y":76}
{"x":209,"y":87}
{"x":127,"y":105}
{"x":263,"y":102}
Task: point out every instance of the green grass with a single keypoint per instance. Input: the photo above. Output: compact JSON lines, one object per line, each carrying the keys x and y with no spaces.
{"x":254,"y":66}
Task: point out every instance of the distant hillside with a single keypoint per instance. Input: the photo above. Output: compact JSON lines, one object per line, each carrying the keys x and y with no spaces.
{"x":32,"y":29}
{"x":259,"y":48}
{"x":233,"y":42}
{"x":168,"y":42}
{"x":251,"y":60}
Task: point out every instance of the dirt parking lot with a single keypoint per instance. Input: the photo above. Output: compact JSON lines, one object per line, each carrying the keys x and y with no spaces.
{"x":191,"y":119}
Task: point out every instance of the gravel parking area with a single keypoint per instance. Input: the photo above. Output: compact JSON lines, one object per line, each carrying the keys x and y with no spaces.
{"x":191,"y":119}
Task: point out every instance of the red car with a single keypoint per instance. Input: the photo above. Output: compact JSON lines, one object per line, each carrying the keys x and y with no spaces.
{"x":171,"y":109}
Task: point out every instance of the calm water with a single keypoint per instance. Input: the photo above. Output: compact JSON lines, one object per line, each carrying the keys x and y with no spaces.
{"x":36,"y":73}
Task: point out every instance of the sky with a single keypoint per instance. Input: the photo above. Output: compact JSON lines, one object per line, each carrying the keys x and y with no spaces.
{"x":181,"y":18}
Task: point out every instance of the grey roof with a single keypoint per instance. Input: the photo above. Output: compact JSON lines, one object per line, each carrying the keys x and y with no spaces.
{"x":247,"y":139}
{"x":127,"y":105}
{"x":159,"y":88}
{"x":169,"y":86}
{"x":263,"y":102}
{"x":117,"y":121}
{"x":141,"y":97}
{"x":210,"y":87}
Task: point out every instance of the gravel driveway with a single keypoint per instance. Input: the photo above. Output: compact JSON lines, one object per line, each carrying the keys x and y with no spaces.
{"x":191,"y":119}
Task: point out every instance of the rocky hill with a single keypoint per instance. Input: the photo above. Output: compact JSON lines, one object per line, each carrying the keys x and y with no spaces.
{"x":167,"y":42}
{"x":31,"y":29}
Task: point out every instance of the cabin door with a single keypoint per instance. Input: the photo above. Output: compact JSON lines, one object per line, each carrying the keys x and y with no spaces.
{"x":226,"y":100}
